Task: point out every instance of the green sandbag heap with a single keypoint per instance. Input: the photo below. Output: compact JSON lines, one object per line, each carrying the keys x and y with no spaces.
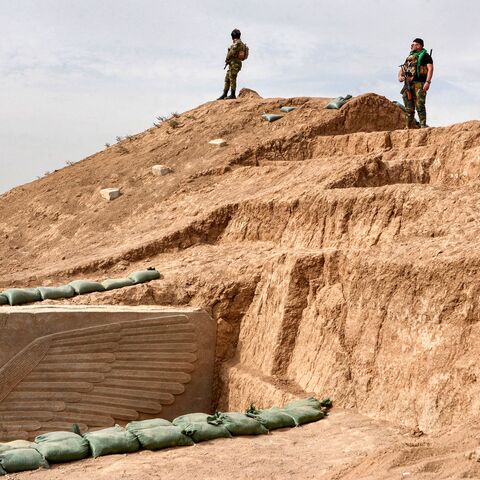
{"x":339,"y":102}
{"x":155,"y":434}
{"x":19,"y":296}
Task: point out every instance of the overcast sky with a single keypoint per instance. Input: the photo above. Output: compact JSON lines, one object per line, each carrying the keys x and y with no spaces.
{"x":74,"y":74}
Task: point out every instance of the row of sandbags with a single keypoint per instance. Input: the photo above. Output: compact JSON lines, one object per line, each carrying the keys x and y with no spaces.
{"x":154,"y":434}
{"x":19,"y":296}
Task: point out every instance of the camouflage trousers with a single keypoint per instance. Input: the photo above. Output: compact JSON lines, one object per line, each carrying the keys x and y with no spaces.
{"x":231,"y":75}
{"x":417,"y":102}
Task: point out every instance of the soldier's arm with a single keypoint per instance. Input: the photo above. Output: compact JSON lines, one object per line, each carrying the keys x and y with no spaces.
{"x":426,"y":85}
{"x":401,"y":77}
{"x":429,"y":72}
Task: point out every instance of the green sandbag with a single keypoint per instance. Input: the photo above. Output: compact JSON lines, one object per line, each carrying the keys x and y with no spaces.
{"x":195,"y":425}
{"x":15,"y":444}
{"x":3,"y":299}
{"x":398,"y":104}
{"x":240,"y":424}
{"x":112,"y":440}
{"x":18,"y":296}
{"x":2,"y":471}
{"x":150,"y":423}
{"x":271,"y":117}
{"x":287,"y":109}
{"x":113,"y":283}
{"x":272,"y":418}
{"x":54,"y":293}
{"x":304,"y":414}
{"x":21,"y":459}
{"x":145,"y":275}
{"x":190,"y":418}
{"x":58,"y":447}
{"x":86,"y":286}
{"x":338,"y":102}
{"x":156,"y":438}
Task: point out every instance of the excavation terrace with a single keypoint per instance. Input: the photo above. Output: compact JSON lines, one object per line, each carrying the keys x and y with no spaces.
{"x":336,"y":253}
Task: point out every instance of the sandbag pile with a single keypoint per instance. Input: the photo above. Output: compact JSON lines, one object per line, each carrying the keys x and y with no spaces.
{"x":339,"y":102}
{"x":20,"y":296}
{"x":155,"y":434}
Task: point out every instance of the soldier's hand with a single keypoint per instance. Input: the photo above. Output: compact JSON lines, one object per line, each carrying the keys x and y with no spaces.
{"x":426,"y":86}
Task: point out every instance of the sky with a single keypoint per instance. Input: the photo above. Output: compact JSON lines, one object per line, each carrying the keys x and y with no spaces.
{"x":75,"y":74}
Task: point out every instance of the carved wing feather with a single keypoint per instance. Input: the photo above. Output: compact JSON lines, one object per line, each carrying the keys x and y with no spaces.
{"x":96,"y":375}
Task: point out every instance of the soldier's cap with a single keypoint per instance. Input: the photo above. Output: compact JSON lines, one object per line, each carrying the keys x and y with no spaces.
{"x":236,"y":33}
{"x":418,"y":40}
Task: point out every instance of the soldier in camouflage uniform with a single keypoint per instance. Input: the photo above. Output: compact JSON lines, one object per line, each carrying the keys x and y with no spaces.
{"x":419,"y":69}
{"x":234,"y":66}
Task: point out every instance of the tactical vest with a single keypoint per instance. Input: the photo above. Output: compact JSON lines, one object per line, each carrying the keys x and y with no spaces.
{"x":411,"y":67}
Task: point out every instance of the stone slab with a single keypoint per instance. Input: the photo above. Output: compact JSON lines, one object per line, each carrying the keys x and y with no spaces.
{"x":219,"y":142}
{"x":110,"y":193}
{"x":101,"y":365}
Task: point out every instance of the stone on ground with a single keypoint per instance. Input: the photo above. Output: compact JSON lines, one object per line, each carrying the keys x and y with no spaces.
{"x":220,"y":142}
{"x":161,"y":170}
{"x":110,"y":193}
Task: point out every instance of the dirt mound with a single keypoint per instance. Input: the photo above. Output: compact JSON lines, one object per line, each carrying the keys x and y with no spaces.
{"x":248,"y":93}
{"x":335,"y":250}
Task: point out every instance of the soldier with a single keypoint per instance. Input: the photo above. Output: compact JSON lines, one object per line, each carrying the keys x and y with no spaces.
{"x":235,"y":55}
{"x":418,"y":71}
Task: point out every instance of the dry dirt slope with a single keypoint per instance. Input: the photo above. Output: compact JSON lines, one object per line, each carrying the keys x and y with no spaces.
{"x":337,"y":252}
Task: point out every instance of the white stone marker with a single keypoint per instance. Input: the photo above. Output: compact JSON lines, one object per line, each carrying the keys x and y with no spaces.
{"x":220,"y":142}
{"x":110,"y":193}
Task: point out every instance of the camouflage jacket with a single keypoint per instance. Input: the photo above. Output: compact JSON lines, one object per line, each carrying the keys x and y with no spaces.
{"x":232,"y":53}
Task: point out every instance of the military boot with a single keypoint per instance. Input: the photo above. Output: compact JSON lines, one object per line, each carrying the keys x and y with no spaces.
{"x":232,"y":96}
{"x":223,"y":96}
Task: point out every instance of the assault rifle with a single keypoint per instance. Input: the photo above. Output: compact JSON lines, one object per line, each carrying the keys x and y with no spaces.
{"x":407,"y":85}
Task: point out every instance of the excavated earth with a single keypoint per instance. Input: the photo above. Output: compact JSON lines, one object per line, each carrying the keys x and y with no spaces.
{"x":337,"y":253}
